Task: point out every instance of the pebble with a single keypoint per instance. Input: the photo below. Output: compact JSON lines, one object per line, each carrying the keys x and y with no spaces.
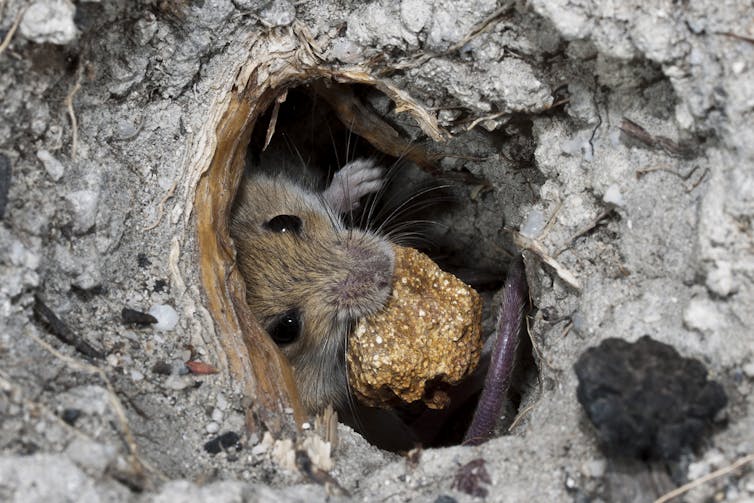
{"x":594,"y":468}
{"x":259,"y":449}
{"x":166,"y":316}
{"x":278,"y":13}
{"x":49,"y":21}
{"x":221,"y":402}
{"x":217,"y":415}
{"x":91,"y":455}
{"x":415,"y":14}
{"x":703,"y":314}
{"x":84,"y":209}
{"x":136,"y":376}
{"x":534,"y":224}
{"x":345,"y":50}
{"x":749,"y":369}
{"x":53,"y":167}
{"x":613,"y":196}
{"x":212,"y":427}
{"x":720,"y":278}
{"x":177,"y":382}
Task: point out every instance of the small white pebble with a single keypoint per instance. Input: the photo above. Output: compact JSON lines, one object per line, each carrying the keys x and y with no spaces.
{"x":217,"y":415}
{"x":378,"y":339}
{"x":594,"y":468}
{"x":613,"y":196}
{"x":259,"y":449}
{"x":698,"y":469}
{"x":212,"y":427}
{"x":136,"y":376}
{"x":221,"y":402}
{"x":306,"y":426}
{"x":288,"y":410}
{"x":53,"y":167}
{"x":113,"y":360}
{"x":177,"y":382}
{"x":749,"y":369}
{"x":167,"y":317}
{"x":534,"y":224}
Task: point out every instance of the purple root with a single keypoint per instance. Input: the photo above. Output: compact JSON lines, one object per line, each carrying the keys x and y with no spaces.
{"x":509,"y":321}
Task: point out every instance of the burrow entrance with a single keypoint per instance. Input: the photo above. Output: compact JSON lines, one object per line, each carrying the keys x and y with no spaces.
{"x":305,"y":133}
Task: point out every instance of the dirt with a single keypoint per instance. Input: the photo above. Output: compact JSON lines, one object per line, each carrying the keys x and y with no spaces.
{"x":102,"y":107}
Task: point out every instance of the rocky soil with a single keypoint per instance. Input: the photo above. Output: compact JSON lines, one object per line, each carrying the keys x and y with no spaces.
{"x":614,"y":137}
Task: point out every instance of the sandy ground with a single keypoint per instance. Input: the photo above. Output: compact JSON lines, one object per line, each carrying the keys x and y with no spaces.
{"x":101,"y":104}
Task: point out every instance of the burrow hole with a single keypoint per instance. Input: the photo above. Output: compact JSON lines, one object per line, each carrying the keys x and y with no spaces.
{"x":310,"y":139}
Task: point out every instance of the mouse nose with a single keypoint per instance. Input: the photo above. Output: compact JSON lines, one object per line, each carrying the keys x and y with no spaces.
{"x":366,"y":284}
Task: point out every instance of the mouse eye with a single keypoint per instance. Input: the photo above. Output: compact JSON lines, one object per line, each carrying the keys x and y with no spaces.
{"x":284,"y":223}
{"x":286,"y":328}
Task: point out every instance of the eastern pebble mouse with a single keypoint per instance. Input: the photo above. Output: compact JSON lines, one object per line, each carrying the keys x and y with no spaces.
{"x":308,"y":276}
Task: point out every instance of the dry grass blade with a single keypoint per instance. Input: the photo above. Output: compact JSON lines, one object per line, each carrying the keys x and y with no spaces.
{"x":72,"y":113}
{"x":536,"y":248}
{"x":703,"y":480}
{"x":12,"y":31}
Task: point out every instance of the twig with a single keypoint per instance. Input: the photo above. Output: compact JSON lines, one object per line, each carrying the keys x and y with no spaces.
{"x":60,"y":330}
{"x":591,"y":225}
{"x":551,"y":220}
{"x":485,"y":118}
{"x":136,"y":463}
{"x":274,"y":119}
{"x":536,"y":248}
{"x":12,"y":31}
{"x":477,"y":30}
{"x":670,"y":147}
{"x":72,"y":113}
{"x":483,"y":26}
{"x":161,"y":206}
{"x":706,"y":478}
{"x":743,"y":38}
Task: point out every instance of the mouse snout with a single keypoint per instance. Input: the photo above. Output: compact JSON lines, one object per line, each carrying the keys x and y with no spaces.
{"x":366,"y":283}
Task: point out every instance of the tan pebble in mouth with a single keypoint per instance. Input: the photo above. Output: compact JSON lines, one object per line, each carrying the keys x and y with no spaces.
{"x":426,"y":338}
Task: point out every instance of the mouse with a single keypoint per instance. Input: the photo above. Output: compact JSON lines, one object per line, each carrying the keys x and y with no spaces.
{"x":310,"y":277}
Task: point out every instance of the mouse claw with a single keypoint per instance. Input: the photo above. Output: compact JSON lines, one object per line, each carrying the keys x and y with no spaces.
{"x":352,"y":182}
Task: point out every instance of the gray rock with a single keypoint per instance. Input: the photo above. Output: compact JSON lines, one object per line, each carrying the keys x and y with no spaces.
{"x":49,"y":21}
{"x":278,"y":13}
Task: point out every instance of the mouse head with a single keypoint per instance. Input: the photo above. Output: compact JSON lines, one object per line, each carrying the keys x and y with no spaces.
{"x":308,"y":279}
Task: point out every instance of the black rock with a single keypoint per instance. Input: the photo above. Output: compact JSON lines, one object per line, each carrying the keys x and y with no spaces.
{"x":221,"y":442}
{"x":71,"y":415}
{"x":134,"y":317}
{"x":646,"y":401}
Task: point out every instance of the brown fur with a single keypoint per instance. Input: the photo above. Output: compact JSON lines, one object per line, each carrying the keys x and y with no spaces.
{"x":333,"y":275}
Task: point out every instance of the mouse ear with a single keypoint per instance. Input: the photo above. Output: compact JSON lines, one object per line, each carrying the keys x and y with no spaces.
{"x":286,"y":328}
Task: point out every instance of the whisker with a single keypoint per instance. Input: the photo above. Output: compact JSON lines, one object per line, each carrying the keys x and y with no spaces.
{"x":403,"y":207}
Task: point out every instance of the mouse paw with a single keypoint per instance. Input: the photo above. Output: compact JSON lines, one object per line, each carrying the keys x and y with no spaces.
{"x":354,"y":181}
